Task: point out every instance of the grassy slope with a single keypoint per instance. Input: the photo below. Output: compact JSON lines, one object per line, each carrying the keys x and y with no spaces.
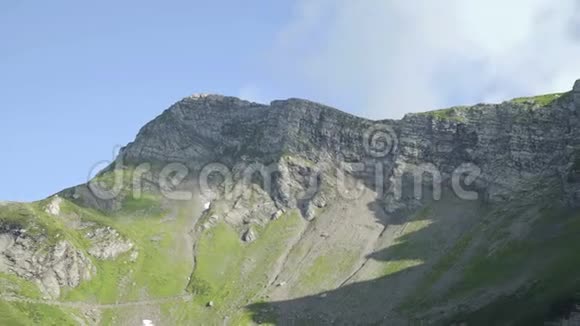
{"x":447,"y":114}
{"x":487,"y":259}
{"x":12,"y":313}
{"x":542,"y":100}
{"x":233,"y":274}
{"x":227,"y":272}
{"x":549,"y":253}
{"x":160,"y":267}
{"x":455,"y":113}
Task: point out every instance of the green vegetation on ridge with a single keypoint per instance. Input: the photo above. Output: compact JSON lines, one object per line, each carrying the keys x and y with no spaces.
{"x":541,"y":100}
{"x":452,"y":114}
{"x":25,"y":314}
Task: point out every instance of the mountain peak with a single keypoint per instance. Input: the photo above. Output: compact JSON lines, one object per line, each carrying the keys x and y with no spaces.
{"x":209,"y":100}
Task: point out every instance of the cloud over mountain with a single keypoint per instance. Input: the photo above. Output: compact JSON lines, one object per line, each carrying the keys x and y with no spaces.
{"x":392,"y":57}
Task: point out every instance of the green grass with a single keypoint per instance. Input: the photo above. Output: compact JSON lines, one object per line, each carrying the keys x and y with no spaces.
{"x":546,"y":257}
{"x":146,"y":204}
{"x":444,"y":264}
{"x":31,"y":218}
{"x":395,"y":266}
{"x":541,"y":100}
{"x":218,"y":263}
{"x":420,"y":297}
{"x":231,"y":273}
{"x":108,"y":316}
{"x":402,"y":249}
{"x":133,"y":200}
{"x":326,"y":269}
{"x":103,"y":288}
{"x":551,"y":260}
{"x":451,"y":114}
{"x":495,"y":269}
{"x":16,"y":286}
{"x":455,"y":114}
{"x":161,"y":268}
{"x":24,"y":314}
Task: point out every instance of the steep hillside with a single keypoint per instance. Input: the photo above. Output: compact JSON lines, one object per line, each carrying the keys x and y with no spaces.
{"x":229,"y":212}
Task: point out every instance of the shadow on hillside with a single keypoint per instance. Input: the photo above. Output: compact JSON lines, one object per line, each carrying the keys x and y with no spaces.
{"x":373,"y":301}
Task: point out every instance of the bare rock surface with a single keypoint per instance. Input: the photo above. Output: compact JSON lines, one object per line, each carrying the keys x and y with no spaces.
{"x":51,"y":267}
{"x":107,"y":243}
{"x":53,"y":207}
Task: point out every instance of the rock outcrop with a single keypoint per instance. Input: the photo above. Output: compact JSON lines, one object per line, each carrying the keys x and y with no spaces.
{"x":107,"y":243}
{"x":53,"y":207}
{"x":52,"y":267}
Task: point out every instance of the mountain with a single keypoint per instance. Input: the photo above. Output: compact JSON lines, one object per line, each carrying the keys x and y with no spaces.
{"x":227,"y":212}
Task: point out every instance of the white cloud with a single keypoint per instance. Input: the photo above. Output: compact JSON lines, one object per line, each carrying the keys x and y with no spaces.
{"x":383,"y":58}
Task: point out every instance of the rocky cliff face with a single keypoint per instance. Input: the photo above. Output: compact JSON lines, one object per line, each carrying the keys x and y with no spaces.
{"x":512,"y":143}
{"x":52,"y":268}
{"x":211,"y":128}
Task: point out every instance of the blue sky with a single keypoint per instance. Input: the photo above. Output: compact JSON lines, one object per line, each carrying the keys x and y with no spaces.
{"x":78,"y":79}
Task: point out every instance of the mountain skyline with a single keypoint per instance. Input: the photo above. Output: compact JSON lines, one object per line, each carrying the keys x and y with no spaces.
{"x":86,"y":77}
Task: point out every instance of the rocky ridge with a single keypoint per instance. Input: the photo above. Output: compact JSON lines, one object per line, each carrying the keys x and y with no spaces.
{"x":511,"y":143}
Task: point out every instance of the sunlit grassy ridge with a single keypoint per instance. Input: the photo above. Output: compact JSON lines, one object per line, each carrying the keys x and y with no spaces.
{"x":457,"y":113}
{"x":541,"y":100}
{"x":453,"y":114}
